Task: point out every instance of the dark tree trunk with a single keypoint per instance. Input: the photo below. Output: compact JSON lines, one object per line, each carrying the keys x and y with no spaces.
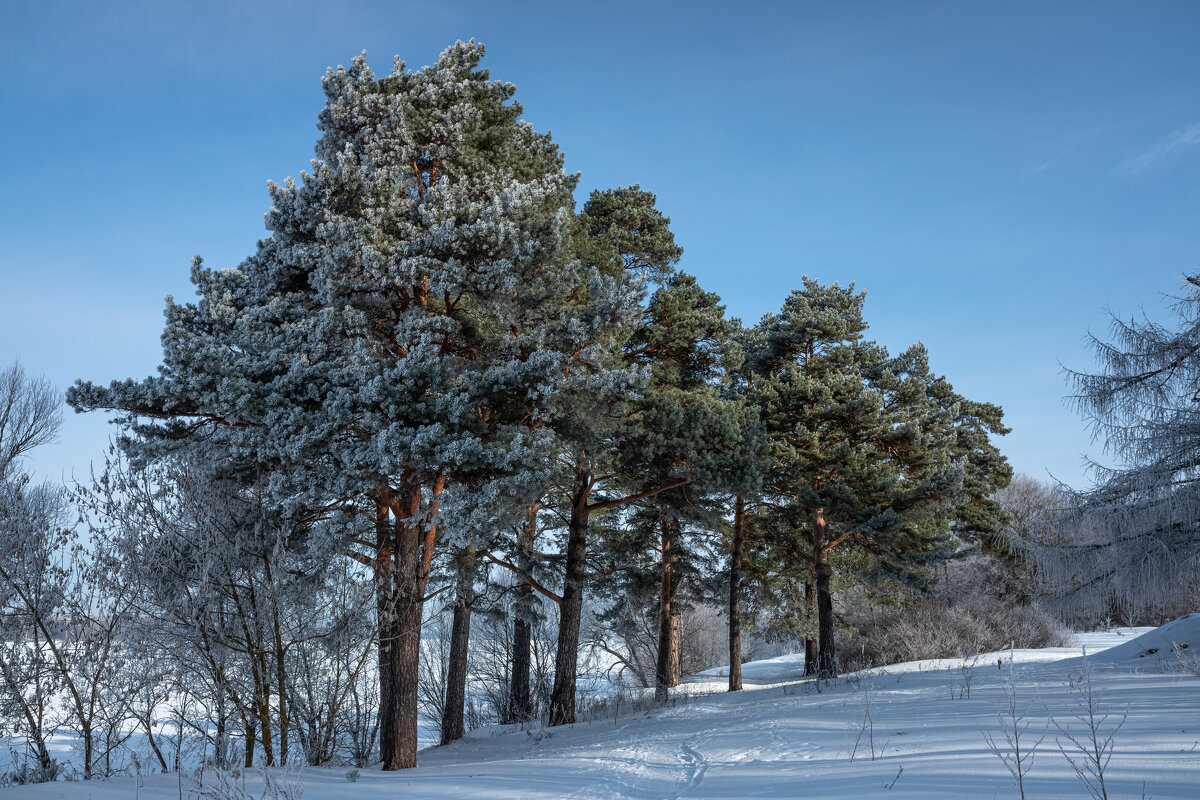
{"x":154,"y":748}
{"x":826,"y":655}
{"x":456,"y":674}
{"x":88,"y":738}
{"x":520,"y":701}
{"x":735,"y":594}
{"x":570,"y":607}
{"x":406,"y":647}
{"x":36,"y":737}
{"x":385,"y":605}
{"x":282,"y":689}
{"x":46,"y":762}
{"x":666,"y":615}
{"x":221,"y":746}
{"x":263,"y":706}
{"x":251,"y":731}
{"x":570,"y":610}
{"x":810,"y":642}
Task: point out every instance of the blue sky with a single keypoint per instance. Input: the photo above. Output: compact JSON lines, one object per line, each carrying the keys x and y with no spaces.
{"x":994,"y":175}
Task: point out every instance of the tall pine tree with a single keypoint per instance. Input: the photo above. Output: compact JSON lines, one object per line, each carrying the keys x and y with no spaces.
{"x":376,"y":344}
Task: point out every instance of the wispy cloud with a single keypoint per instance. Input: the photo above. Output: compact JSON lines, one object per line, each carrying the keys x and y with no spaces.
{"x":1165,"y":149}
{"x":1038,"y":169}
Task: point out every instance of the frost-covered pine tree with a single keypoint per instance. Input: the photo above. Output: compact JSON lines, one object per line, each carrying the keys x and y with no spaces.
{"x":394,"y":337}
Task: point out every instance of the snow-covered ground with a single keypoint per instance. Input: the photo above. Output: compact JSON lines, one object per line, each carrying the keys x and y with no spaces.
{"x":784,"y":738}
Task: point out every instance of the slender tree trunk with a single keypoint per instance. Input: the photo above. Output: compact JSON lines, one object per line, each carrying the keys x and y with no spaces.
{"x":675,"y":672}
{"x":148,"y":724}
{"x":281,"y":680}
{"x":385,"y":604}
{"x":263,"y":703}
{"x":38,"y":741}
{"x":666,"y":614}
{"x":43,"y":753}
{"x":251,"y":730}
{"x":735,"y":594}
{"x":221,"y":747}
{"x":826,"y":655}
{"x":562,"y":698}
{"x":36,"y":737}
{"x":810,"y":642}
{"x":520,"y":702}
{"x":456,"y":673}
{"x":89,"y":747}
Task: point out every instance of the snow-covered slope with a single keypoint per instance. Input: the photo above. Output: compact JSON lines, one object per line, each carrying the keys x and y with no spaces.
{"x":788,"y":738}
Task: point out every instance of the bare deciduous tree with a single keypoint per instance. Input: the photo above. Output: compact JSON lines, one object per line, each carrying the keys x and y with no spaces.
{"x":30,"y":415}
{"x":1130,"y":546}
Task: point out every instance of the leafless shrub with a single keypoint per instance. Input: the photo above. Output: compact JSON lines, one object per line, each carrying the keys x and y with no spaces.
{"x":26,"y":771}
{"x":1015,"y":752}
{"x":864,"y":727}
{"x":222,"y":785}
{"x":1089,"y":747}
{"x":491,"y":656}
{"x":963,"y":678}
{"x":975,"y":604}
{"x":1189,"y":663}
{"x":284,"y":784}
{"x":633,"y":643}
{"x":936,"y":628}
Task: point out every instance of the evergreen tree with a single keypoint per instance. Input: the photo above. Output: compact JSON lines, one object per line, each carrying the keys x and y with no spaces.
{"x":745,"y":485}
{"x":878,"y":455}
{"x":625,"y":239}
{"x":378,"y":343}
{"x":684,"y":418}
{"x":819,"y":415}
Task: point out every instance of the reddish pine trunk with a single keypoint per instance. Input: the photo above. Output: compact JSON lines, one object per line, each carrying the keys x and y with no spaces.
{"x":735,"y":594}
{"x":399,"y":592}
{"x":406,"y":650}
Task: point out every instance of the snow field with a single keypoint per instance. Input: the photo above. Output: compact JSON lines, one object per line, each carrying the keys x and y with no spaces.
{"x":785,"y":737}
